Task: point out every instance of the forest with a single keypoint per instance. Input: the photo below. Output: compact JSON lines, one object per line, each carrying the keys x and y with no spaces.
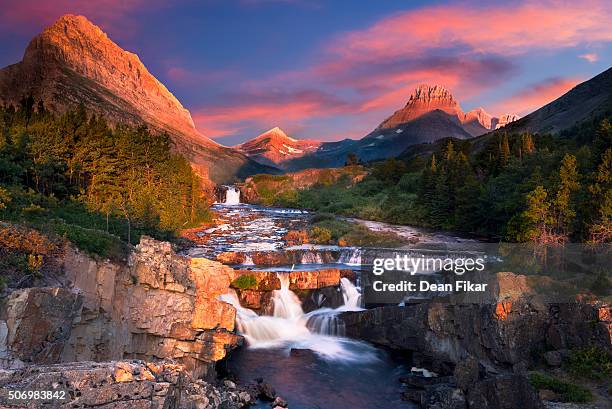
{"x":75,"y":176}
{"x":512,"y":187}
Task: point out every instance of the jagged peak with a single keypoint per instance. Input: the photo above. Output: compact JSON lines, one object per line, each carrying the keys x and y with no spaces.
{"x":427,"y":92}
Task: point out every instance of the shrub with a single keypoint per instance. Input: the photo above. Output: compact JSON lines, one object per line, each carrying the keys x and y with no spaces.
{"x":568,"y":392}
{"x":93,"y":242}
{"x":320,"y":235}
{"x":245,"y":282}
{"x":591,"y":362}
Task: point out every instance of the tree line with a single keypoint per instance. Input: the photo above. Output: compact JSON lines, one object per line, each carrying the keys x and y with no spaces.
{"x":75,"y":165}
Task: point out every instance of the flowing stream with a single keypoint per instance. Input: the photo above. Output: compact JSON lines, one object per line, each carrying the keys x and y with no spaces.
{"x":304,"y":355}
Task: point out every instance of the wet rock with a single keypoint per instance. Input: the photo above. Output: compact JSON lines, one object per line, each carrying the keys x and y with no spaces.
{"x":279,"y":402}
{"x":266,"y":391}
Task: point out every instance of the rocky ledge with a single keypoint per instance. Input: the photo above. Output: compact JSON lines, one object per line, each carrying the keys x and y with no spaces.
{"x":481,"y":351}
{"x":157,"y":306}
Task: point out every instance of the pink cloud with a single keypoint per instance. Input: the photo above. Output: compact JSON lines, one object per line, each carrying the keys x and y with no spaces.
{"x":535,"y":96}
{"x":110,"y":15}
{"x":590,"y":57}
{"x":465,"y":48}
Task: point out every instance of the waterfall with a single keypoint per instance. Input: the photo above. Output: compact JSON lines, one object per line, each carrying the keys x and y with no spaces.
{"x":286,"y":302}
{"x":248,"y":260}
{"x":311,"y":257}
{"x":350,"y":294}
{"x":232,"y":196}
{"x":320,"y":330}
{"x":350,"y":257}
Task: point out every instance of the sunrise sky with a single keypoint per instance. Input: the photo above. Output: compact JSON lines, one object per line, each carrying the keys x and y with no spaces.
{"x":335,"y":69}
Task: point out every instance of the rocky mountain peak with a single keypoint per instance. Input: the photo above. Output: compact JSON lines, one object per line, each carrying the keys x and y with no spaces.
{"x":481,"y":116}
{"x":74,"y":43}
{"x":424,"y":99}
{"x":425,"y":93}
{"x":505,"y":119}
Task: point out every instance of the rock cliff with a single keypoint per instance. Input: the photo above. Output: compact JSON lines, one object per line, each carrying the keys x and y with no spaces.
{"x":158,"y":306}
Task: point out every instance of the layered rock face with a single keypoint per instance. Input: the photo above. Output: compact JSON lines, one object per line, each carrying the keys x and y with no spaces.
{"x":275,"y":148}
{"x":73,"y":62}
{"x":160,"y":306}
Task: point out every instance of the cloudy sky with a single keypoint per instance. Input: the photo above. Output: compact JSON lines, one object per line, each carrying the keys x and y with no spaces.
{"x":334,"y":69}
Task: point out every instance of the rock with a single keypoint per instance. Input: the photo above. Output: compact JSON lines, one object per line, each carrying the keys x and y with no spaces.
{"x":109,"y":384}
{"x":157,"y":306}
{"x":444,"y":397}
{"x":245,"y":397}
{"x":547,"y":394}
{"x":38,"y":324}
{"x":553,"y":358}
{"x":422,"y":382}
{"x":279,"y":402}
{"x":504,"y":391}
{"x":413,"y":395}
{"x":468,"y":372}
{"x":229,"y":384}
{"x":266,"y":391}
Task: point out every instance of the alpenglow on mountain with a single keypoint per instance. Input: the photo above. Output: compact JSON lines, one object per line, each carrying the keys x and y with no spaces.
{"x":431,"y":113}
{"x":274,"y":147}
{"x":74,"y":62}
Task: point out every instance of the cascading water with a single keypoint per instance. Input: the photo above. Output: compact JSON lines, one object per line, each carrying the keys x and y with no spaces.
{"x":232,"y":196}
{"x":320,"y":330}
{"x":350,"y":257}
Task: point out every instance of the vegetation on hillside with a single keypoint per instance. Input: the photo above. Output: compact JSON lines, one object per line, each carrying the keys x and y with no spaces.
{"x":521,"y":187}
{"x":73,"y":176}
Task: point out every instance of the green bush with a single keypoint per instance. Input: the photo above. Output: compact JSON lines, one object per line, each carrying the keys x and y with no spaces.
{"x":245,"y":282}
{"x":591,"y":362}
{"x":568,"y":392}
{"x":93,"y":242}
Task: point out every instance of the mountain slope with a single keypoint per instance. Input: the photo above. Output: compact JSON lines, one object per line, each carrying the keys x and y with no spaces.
{"x":586,"y":100}
{"x":274,"y":147}
{"x":73,"y":62}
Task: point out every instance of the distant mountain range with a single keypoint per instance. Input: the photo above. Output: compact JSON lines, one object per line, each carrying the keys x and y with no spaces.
{"x":431,"y":113}
{"x":73,"y":61}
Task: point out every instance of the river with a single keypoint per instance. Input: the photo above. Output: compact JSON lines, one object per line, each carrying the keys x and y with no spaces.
{"x":305,"y":356}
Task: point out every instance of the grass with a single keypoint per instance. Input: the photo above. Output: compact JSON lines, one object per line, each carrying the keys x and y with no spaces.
{"x":326,"y":229}
{"x":568,"y":392}
{"x":245,"y":282}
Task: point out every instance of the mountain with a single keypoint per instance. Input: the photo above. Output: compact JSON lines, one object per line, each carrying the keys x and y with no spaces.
{"x":276,"y":148}
{"x":431,"y":113}
{"x":73,"y":61}
{"x":585,"y":101}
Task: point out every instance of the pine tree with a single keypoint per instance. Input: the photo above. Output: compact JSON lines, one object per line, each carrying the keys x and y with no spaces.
{"x":563,"y":204}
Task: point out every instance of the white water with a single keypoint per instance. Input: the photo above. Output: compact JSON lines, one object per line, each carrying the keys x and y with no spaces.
{"x":232,"y":196}
{"x":320,"y":331}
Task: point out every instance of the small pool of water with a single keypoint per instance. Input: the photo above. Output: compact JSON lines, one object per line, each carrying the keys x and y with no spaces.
{"x":309,"y":381}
